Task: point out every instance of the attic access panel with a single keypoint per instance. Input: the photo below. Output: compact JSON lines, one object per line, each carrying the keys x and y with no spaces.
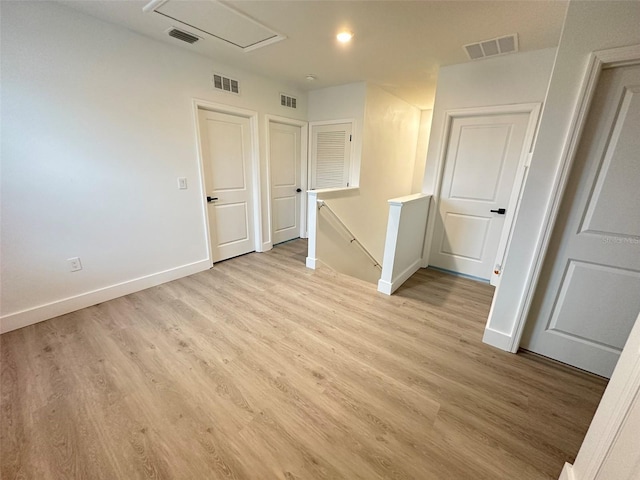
{"x":218,"y":20}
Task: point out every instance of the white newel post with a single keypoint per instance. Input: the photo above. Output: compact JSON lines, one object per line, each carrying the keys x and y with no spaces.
{"x":312,"y":218}
{"x":385,"y":284}
{"x":405,"y":240}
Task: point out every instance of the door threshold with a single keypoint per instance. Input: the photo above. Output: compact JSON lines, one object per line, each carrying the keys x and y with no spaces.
{"x":458,"y":274}
{"x":286,"y":241}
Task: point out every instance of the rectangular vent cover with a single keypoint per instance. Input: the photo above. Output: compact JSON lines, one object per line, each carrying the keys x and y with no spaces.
{"x":493,"y":47}
{"x":288,"y":101}
{"x":184,"y":36}
{"x":226,"y":84}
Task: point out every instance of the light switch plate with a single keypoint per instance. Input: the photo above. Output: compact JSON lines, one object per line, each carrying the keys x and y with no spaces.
{"x":182,"y":183}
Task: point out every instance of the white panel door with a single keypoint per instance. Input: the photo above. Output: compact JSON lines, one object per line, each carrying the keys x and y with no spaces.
{"x":286,"y":181}
{"x":588,"y":295}
{"x":226,"y":152}
{"x":483,"y":153}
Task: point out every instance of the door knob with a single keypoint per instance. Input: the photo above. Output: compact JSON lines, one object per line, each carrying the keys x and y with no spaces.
{"x":211,"y":199}
{"x":500,"y":211}
{"x":298,"y":190}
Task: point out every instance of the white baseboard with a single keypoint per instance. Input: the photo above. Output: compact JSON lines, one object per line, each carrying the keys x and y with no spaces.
{"x":389,"y":287}
{"x":497,"y":339}
{"x":40,"y":313}
{"x":266,"y":246}
{"x":385,"y":287}
{"x":311,"y":262}
{"x":567,"y":472}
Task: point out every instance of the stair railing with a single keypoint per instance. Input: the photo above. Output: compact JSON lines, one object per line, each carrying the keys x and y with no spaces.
{"x":322,"y":203}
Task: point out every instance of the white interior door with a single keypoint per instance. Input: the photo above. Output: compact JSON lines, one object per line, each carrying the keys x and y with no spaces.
{"x":226,"y":154}
{"x":483,"y":154}
{"x":589,"y":291}
{"x":286,"y":180}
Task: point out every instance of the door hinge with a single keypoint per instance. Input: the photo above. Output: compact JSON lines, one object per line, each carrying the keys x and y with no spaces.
{"x":349,"y":137}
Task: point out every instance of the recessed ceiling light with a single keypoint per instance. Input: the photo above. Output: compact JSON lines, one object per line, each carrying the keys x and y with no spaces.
{"x":311,"y":77}
{"x":344,"y":37}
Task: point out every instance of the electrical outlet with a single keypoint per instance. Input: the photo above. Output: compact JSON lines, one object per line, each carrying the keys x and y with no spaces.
{"x":182,"y":183}
{"x":74,"y":264}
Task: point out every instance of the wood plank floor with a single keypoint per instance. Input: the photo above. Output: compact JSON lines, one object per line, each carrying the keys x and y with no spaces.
{"x":262,"y":369}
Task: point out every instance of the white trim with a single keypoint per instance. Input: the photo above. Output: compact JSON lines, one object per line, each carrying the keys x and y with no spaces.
{"x":495,"y":338}
{"x":312,"y":218}
{"x":400,"y":201}
{"x":389,"y":287}
{"x":333,"y":122}
{"x":385,"y":287}
{"x":533,"y":109}
{"x":330,"y":191}
{"x":598,"y":61}
{"x":153,"y":5}
{"x":513,"y":206}
{"x":567,"y":472}
{"x":621,"y":396}
{"x":40,"y":313}
{"x":255,"y":164}
{"x":203,"y":190}
{"x":428,"y":236}
{"x":304,"y":134}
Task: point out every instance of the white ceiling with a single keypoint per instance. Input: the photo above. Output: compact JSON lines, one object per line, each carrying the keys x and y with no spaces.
{"x":398,"y":45}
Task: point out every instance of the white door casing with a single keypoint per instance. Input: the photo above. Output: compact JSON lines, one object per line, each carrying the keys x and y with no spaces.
{"x":228,"y":179}
{"x":588,"y":295}
{"x":484,"y":158}
{"x":286,"y":181}
{"x":330,"y":154}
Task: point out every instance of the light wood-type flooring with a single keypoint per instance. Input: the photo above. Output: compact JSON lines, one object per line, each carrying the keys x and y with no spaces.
{"x":263,"y":369}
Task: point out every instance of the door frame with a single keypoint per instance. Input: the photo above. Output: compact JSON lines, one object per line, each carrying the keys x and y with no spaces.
{"x":304,"y":139}
{"x":255,"y":166}
{"x":533,"y":109}
{"x":598,"y":60}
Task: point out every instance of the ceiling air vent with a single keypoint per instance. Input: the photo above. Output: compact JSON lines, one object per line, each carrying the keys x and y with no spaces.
{"x":226,"y":84}
{"x":288,"y":101}
{"x":493,"y":47}
{"x":184,"y":36}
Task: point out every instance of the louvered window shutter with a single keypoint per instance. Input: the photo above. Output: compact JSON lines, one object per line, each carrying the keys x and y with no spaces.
{"x":330,"y":155}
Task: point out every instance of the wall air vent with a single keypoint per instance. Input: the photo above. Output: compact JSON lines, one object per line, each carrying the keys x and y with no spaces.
{"x":226,"y":84}
{"x":181,"y":35}
{"x":493,"y":47}
{"x":288,"y":101}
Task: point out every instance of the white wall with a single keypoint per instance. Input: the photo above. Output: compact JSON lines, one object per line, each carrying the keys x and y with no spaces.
{"x":589,"y":26}
{"x":388,"y":143}
{"x":334,"y":246}
{"x":510,"y":79}
{"x":344,"y":102}
{"x":424,"y":132}
{"x":97,"y":125}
